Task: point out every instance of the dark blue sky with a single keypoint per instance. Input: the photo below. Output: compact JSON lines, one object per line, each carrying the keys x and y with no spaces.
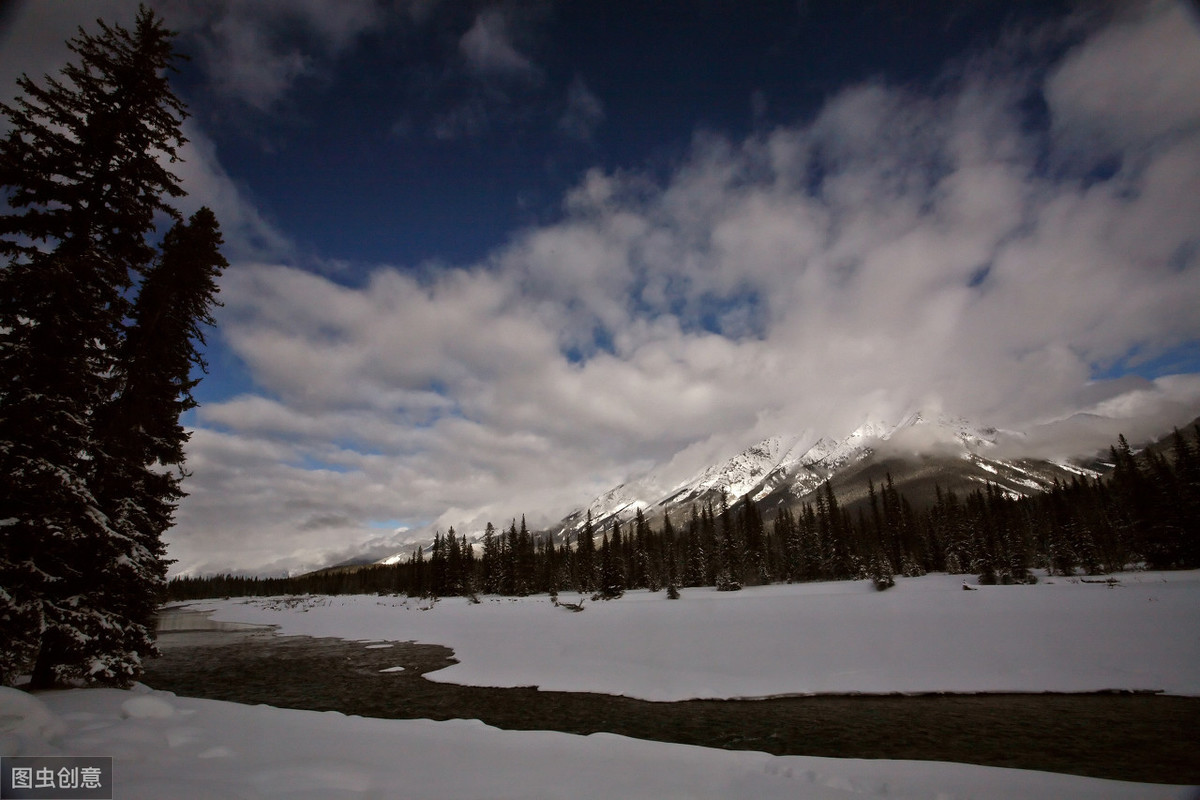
{"x":349,"y":164}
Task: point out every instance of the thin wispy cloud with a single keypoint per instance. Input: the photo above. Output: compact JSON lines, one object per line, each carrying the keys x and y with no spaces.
{"x":489,"y":51}
{"x":584,"y":112}
{"x":251,"y":51}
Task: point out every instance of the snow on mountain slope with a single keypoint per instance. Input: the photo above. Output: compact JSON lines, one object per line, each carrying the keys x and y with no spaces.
{"x":784,"y":469}
{"x":783,"y":466}
{"x":624,"y":499}
{"x":738,"y":475}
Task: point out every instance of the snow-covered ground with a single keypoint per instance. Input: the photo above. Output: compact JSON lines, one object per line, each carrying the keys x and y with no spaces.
{"x":173,"y":748}
{"x":926,"y":634}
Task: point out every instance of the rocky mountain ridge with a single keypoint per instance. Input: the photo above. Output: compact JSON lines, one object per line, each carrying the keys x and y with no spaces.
{"x":920,"y":450}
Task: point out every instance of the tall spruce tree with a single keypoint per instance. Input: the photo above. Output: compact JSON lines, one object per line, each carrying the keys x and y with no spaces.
{"x":137,"y":466}
{"x":585,"y":557}
{"x":612,"y":562}
{"x":729,"y":555}
{"x":84,"y":175}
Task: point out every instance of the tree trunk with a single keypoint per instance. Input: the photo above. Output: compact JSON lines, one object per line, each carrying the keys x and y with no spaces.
{"x":43,"y":668}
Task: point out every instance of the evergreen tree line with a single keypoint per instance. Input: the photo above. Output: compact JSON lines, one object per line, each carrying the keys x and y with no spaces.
{"x":101,"y":317}
{"x":1146,"y":512}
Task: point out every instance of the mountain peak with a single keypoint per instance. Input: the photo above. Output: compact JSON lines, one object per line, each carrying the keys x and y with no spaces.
{"x":924,"y":450}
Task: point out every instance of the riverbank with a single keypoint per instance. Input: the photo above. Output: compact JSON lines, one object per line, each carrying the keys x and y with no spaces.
{"x":835,"y":637}
{"x":192,"y":749}
{"x":1121,"y":736}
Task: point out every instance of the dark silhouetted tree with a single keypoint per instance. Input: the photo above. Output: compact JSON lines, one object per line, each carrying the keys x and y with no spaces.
{"x":83,"y":171}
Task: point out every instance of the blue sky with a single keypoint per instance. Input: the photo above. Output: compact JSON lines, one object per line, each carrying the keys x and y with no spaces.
{"x":492,"y":258}
{"x":413,"y":152}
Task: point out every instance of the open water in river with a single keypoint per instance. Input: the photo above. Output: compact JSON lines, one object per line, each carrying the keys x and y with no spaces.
{"x":1135,"y":737}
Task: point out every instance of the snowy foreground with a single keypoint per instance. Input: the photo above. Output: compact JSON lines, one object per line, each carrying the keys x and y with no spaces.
{"x":926,"y":634}
{"x":175,"y":748}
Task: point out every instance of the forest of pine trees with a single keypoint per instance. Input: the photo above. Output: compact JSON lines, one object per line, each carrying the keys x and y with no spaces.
{"x":101,"y":318}
{"x":1146,"y":512}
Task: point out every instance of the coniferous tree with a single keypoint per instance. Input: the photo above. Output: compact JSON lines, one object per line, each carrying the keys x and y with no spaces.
{"x":548,"y":570}
{"x":639,"y":562}
{"x":437,"y":566}
{"x":470,"y":581}
{"x":1187,"y":495}
{"x":729,"y":555}
{"x":694,"y":561}
{"x":833,"y":531}
{"x":613,"y":563}
{"x":454,"y":563}
{"x":1055,"y":538}
{"x":1166,"y":521}
{"x":957,"y":536}
{"x":82,"y":171}
{"x":996,"y":533}
{"x":508,"y":561}
{"x":605,"y":562}
{"x":524,"y":561}
{"x":879,"y":570}
{"x":490,"y":561}
{"x":136,"y":468}
{"x":757,"y":563}
{"x":811,"y":539}
{"x":670,"y":555}
{"x":914,"y":544}
{"x":585,"y":556}
{"x":671,"y":565}
{"x":787,"y":532}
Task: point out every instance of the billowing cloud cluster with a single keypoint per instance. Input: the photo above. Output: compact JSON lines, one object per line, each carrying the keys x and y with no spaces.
{"x":900,"y":250}
{"x":988,"y":249}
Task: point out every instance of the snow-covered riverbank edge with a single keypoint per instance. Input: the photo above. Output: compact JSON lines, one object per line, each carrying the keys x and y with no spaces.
{"x":924,"y":635}
{"x":185,"y":749}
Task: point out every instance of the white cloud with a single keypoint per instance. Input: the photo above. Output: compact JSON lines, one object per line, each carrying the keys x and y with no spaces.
{"x":33,"y":40}
{"x":466,"y":120}
{"x":242,"y":46}
{"x":490,"y":82}
{"x":242,"y":63}
{"x":1133,"y":82}
{"x":929,"y":263}
{"x":899,"y":250}
{"x":583,"y":114}
{"x":255,"y":52}
{"x":36,"y":45}
{"x":247,"y":234}
{"x":488,"y":49}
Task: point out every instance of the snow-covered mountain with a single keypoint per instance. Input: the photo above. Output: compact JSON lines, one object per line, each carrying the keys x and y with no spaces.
{"x":918,"y":452}
{"x":917,"y":435}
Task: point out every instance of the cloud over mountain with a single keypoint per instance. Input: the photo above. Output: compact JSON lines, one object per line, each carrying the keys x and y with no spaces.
{"x":904,"y":248}
{"x":1012,"y":239}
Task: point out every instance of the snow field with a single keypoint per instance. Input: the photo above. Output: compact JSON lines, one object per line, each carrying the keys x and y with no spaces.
{"x":188,"y":749}
{"x":924,"y":635}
